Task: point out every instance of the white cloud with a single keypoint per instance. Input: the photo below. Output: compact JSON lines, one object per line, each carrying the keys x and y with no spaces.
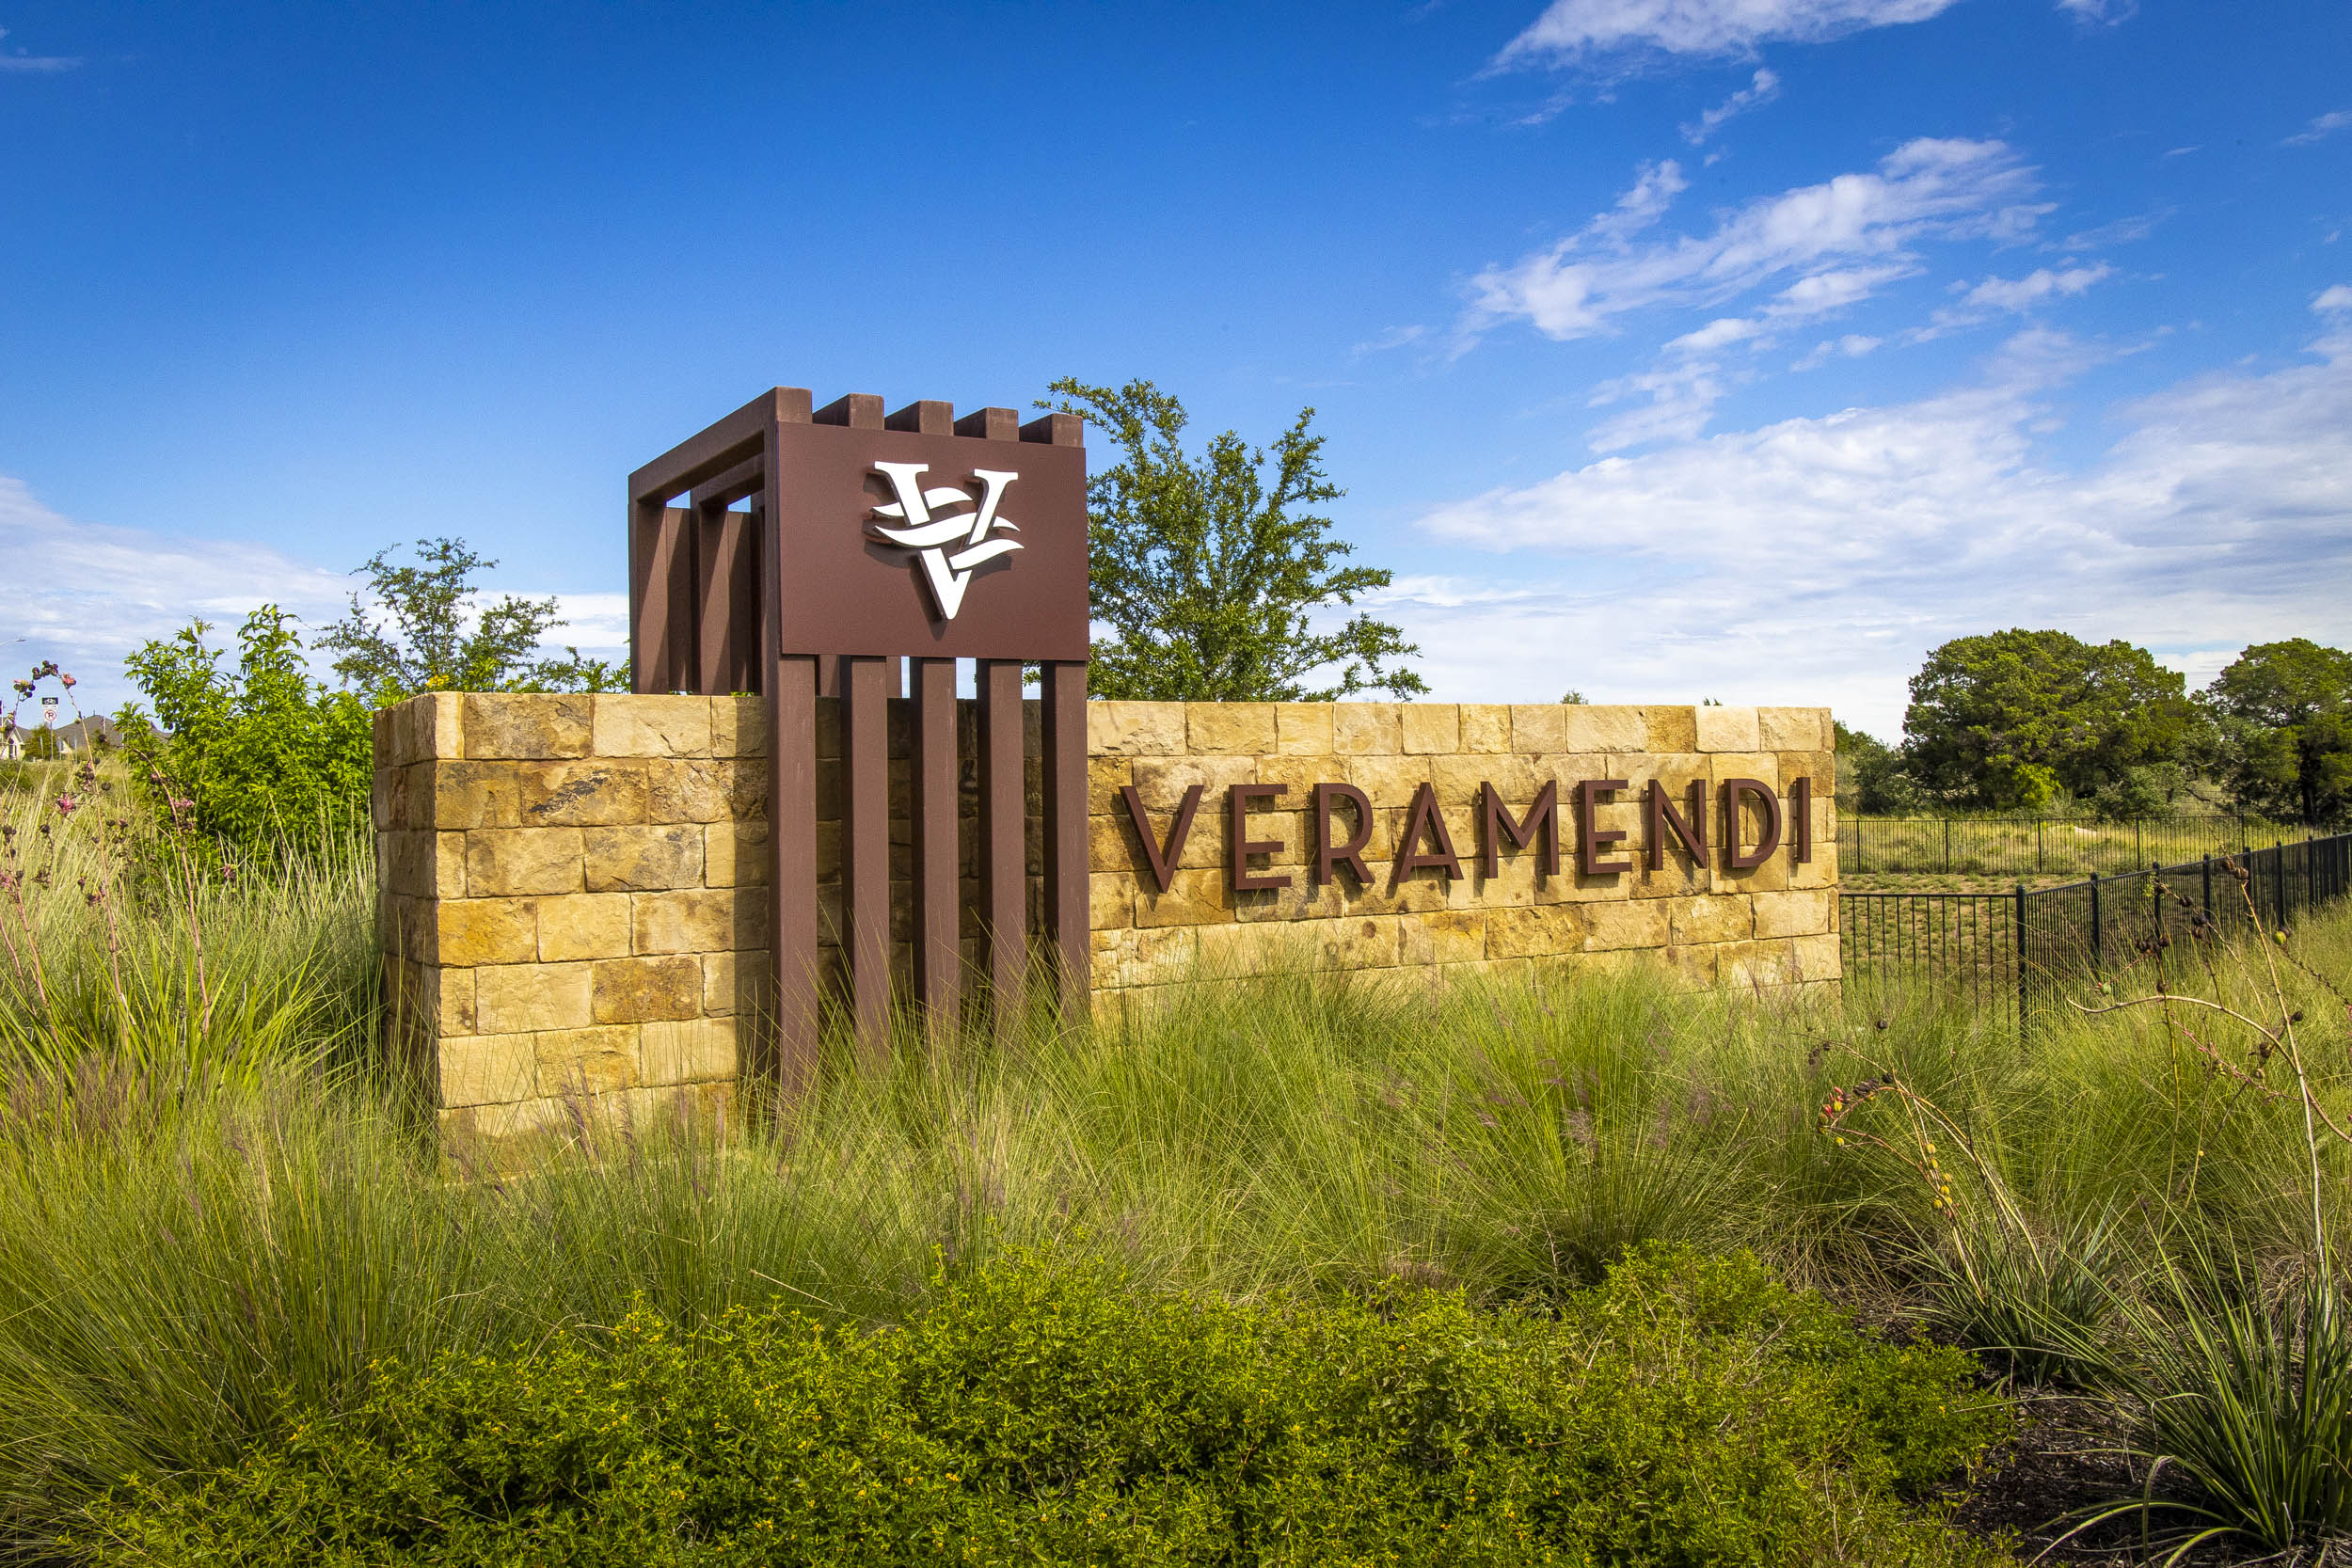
{"x":594,"y":623}
{"x":2199,"y":665}
{"x":1570,"y":30}
{"x":1930,"y":188}
{"x":2023,"y":293}
{"x":2123,"y":230}
{"x":1685,"y":384}
{"x":1827,"y":291}
{"x":2109,"y":12}
{"x":1719,"y":333}
{"x":2320,"y":129}
{"x":1654,"y":189}
{"x":1682,"y":394}
{"x":1762,"y":90}
{"x":1853,"y":345}
{"x":1996,"y":296}
{"x":1395,"y":337}
{"x":1817,"y":559}
{"x":35,"y":65}
{"x":2336,"y":296}
{"x":87,"y":595}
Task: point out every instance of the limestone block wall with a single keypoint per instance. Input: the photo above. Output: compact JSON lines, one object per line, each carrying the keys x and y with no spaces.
{"x":573,"y":887}
{"x":1775,"y":924}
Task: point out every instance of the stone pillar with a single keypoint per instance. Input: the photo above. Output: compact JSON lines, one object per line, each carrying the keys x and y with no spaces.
{"x":566,"y":918}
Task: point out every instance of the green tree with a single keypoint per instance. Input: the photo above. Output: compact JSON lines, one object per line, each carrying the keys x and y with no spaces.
{"x":264,"y":755}
{"x":2282,"y":729}
{"x":415,"y":635}
{"x":1870,"y":777}
{"x":1208,"y":573}
{"x":2024,"y":720}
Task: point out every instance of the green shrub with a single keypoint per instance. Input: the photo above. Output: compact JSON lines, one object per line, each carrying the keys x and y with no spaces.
{"x":264,"y":756}
{"x":1043,"y":1411}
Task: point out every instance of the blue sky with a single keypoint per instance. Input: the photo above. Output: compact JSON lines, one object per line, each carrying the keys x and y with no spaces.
{"x":1667,"y":349}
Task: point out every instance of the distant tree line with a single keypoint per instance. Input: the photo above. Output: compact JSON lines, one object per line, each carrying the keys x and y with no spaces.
{"x":2040,"y":722}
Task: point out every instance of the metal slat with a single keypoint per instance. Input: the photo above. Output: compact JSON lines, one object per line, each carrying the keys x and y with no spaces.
{"x":938,"y":858}
{"x":1004,"y":857}
{"x":865,"y":852}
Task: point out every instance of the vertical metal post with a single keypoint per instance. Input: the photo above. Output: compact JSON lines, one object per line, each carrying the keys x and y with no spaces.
{"x":1948,"y":846}
{"x":938,"y":860}
{"x":2095,"y":933}
{"x":2208,"y":889}
{"x":1064,"y":744}
{"x":2021,"y":961}
{"x":662,"y":596}
{"x":2037,"y":847}
{"x":793,"y":866}
{"x":2278,"y":878}
{"x":865,"y":851}
{"x":1004,"y":855}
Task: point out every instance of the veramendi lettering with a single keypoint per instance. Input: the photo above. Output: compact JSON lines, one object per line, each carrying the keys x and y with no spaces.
{"x":1751,"y":822}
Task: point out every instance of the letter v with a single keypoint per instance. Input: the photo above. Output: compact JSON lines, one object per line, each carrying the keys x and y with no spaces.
{"x":1162,"y":857}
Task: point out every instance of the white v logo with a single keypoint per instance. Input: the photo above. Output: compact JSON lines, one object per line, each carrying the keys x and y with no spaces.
{"x":932,"y":524}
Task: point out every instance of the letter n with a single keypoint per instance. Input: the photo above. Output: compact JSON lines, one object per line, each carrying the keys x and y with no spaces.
{"x":1662,"y":816}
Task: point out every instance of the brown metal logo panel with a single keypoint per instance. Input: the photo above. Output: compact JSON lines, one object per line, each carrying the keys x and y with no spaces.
{"x":942,"y":546}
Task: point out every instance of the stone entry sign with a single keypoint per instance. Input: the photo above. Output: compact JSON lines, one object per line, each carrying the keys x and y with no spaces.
{"x":573,"y":898}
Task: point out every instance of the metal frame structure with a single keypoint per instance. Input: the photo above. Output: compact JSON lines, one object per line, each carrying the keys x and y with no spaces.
{"x":709,"y":603}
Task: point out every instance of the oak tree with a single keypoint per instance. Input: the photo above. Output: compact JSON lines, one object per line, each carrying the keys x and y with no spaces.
{"x":1212,"y":572}
{"x":2282,"y":729}
{"x":418,"y":629}
{"x":2024,"y":719}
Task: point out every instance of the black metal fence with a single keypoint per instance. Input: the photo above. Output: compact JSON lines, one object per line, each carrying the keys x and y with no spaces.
{"x":2009,"y":952}
{"x":2037,"y":846}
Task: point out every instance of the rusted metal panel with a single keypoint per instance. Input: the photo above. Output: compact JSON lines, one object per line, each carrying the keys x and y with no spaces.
{"x":938,"y":862}
{"x":1004,"y":859}
{"x":937,"y":546}
{"x":1064,"y":744}
{"x":866,"y":853}
{"x":798,"y":986}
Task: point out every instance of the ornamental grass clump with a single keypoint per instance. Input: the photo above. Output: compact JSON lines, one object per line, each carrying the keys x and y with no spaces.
{"x":2215,"y":1318}
{"x":2243,"y":1384}
{"x":1044,"y":1410}
{"x":129,"y":933}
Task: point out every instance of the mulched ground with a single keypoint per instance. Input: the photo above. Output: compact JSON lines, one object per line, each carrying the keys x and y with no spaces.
{"x":2064,"y":1461}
